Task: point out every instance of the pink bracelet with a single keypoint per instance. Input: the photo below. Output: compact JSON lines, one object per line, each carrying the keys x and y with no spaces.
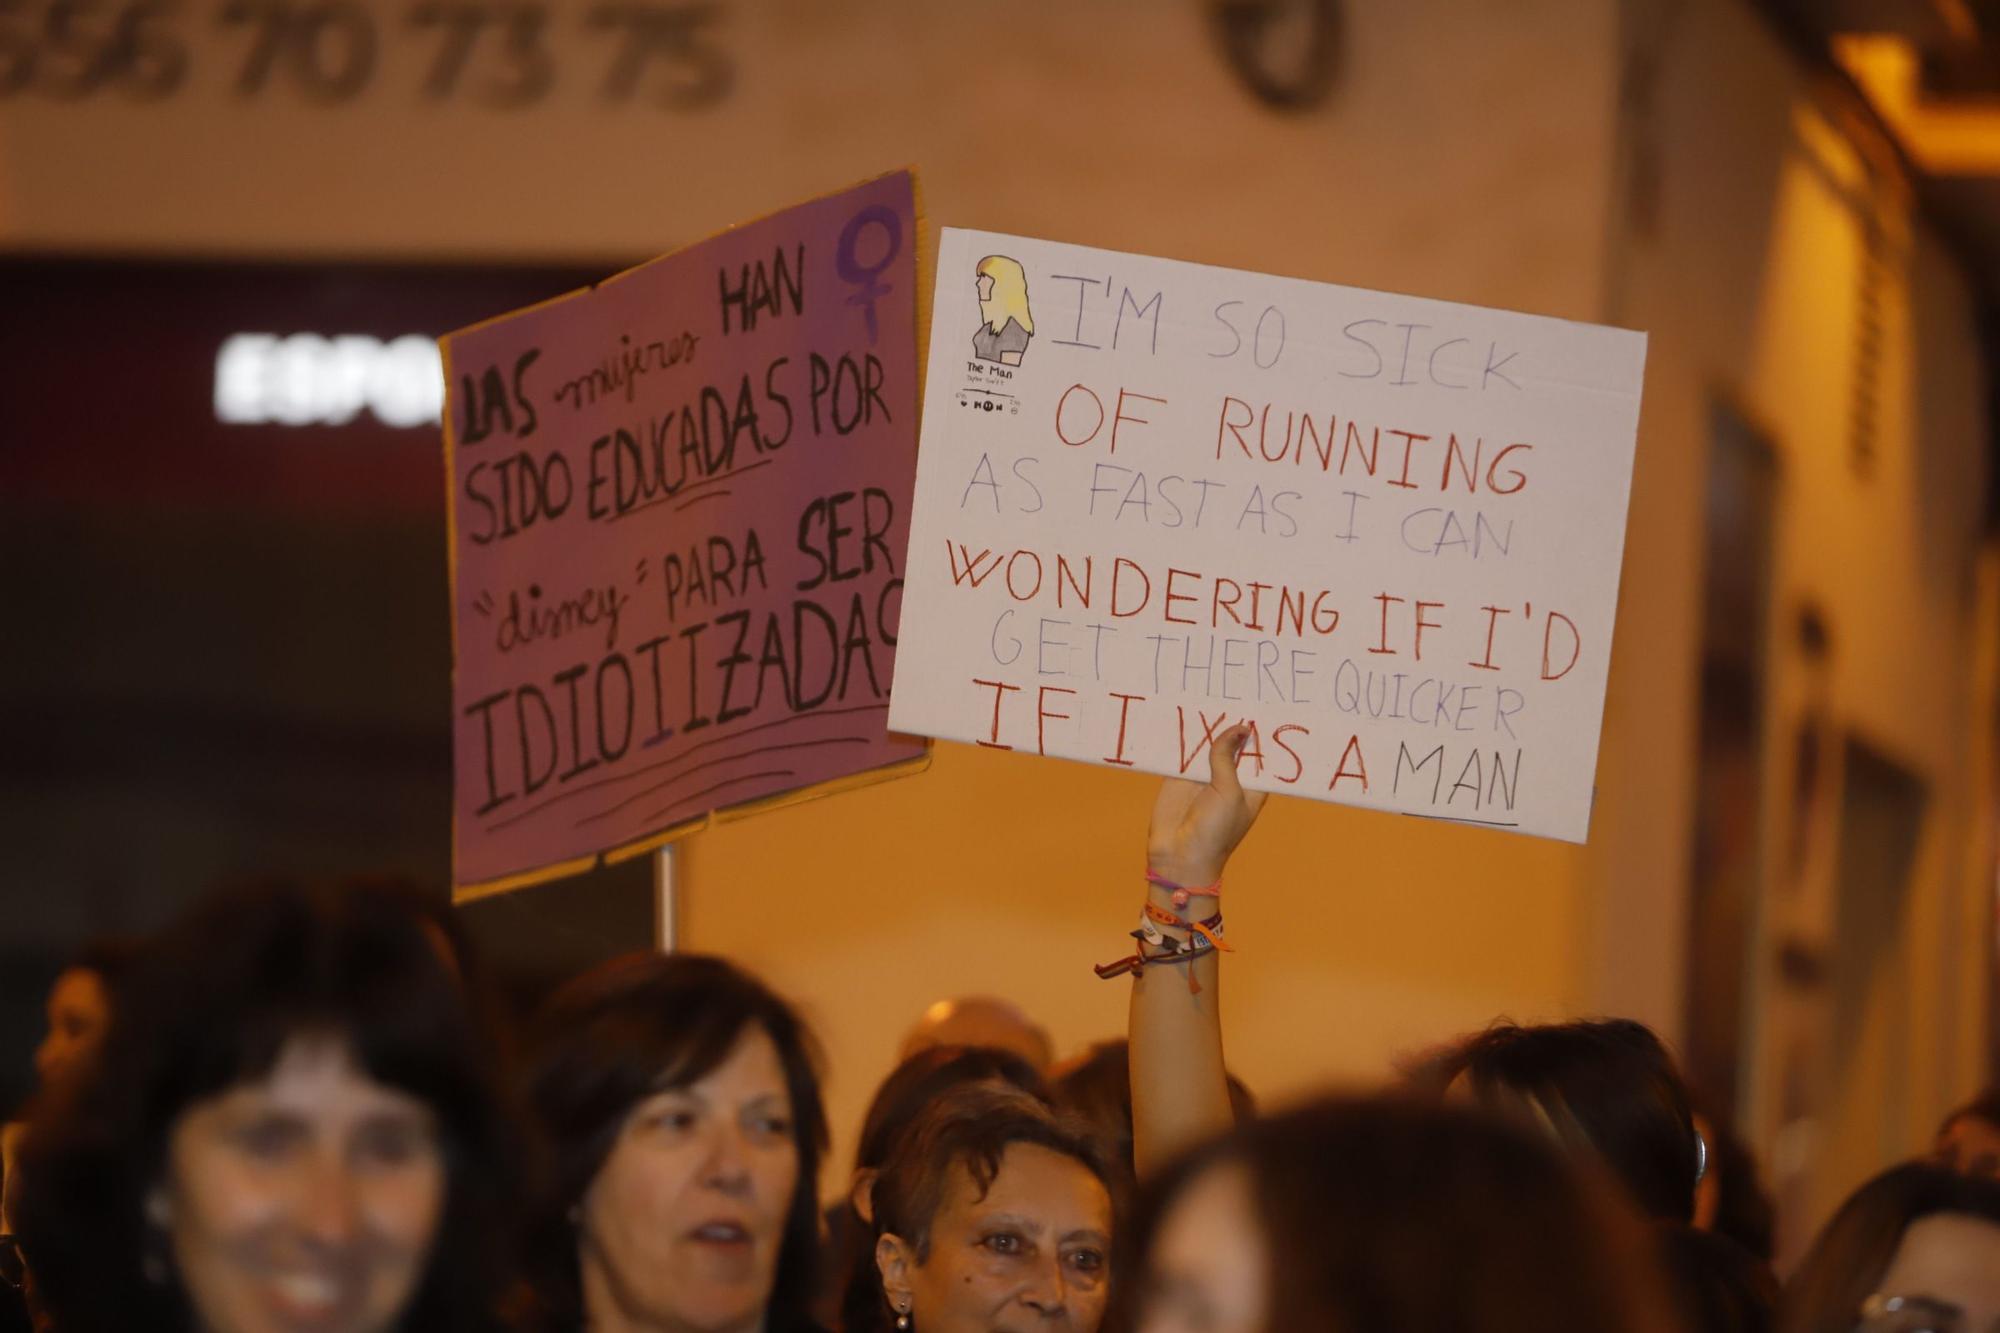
{"x":1181,"y":893}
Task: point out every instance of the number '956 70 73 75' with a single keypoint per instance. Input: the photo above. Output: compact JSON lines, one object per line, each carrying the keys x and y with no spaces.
{"x":493,"y":54}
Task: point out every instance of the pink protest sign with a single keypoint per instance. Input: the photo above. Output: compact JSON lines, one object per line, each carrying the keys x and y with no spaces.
{"x":679,"y":508}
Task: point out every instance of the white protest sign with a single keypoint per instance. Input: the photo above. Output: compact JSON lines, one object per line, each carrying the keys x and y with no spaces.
{"x":1155,"y":499}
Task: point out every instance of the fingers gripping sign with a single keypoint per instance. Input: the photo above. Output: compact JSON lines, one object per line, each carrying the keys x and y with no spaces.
{"x":1197,"y":825}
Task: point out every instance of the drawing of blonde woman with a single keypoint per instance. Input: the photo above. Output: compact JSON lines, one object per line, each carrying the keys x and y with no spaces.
{"x":1006,"y":325}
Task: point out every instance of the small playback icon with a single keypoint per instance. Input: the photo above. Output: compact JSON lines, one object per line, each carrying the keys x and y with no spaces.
{"x":983,"y":400}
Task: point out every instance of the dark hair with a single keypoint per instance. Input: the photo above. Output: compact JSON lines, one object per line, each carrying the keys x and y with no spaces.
{"x":1743,"y":1210}
{"x":1717,"y":1286}
{"x":111,"y":958}
{"x":1384,"y":1213}
{"x":921,"y":1079}
{"x":618,"y":1034}
{"x":1986,"y":1106}
{"x":212,"y":1005}
{"x":1606,"y":1086}
{"x":1097,"y":1089}
{"x":1853,"y":1251}
{"x":910,"y":1087}
{"x":969,"y":1126}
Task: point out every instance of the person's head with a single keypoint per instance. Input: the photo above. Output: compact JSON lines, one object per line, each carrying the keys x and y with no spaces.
{"x":991,"y":1213}
{"x":1605,"y":1089}
{"x":1356,"y":1215}
{"x":910,"y":1088}
{"x":682,"y":1114}
{"x":1969,"y":1138}
{"x":293,"y":1123}
{"x":80,"y":1005}
{"x":1003,"y":293}
{"x":1917,"y":1247}
{"x":914,"y":1085}
{"x":1716,"y":1285}
{"x":979,"y":1020}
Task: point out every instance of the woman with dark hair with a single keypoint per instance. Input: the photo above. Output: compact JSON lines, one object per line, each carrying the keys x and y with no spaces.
{"x":293,"y":1124}
{"x":80,"y":1005}
{"x":1606,"y":1089}
{"x":1358,"y":1215}
{"x":682,"y":1114}
{"x":920,"y":1080}
{"x":991,"y":1211}
{"x":903,"y":1096}
{"x":1716,"y":1284}
{"x":1915,"y":1250}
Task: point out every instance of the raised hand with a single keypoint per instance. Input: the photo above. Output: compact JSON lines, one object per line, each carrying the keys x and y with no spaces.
{"x":1197,"y":825}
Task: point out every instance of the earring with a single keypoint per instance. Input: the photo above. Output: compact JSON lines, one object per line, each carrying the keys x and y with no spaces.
{"x":153,"y":1258}
{"x":903,"y":1317}
{"x":153,"y":1242}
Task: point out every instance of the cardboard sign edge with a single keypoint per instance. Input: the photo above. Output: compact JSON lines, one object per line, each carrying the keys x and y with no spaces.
{"x":463,"y":892}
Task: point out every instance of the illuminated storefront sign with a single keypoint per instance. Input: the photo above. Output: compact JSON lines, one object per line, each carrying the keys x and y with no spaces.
{"x":308,"y":379}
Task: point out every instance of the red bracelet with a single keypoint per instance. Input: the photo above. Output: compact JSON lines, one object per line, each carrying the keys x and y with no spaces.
{"x":1181,"y":893}
{"x":1210,"y":930}
{"x":1138,"y":962}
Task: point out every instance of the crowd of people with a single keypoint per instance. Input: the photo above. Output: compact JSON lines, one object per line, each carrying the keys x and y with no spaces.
{"x":294,"y":1111}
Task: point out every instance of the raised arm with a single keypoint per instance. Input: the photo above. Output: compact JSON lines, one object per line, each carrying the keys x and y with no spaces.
{"x":1180,"y":1092}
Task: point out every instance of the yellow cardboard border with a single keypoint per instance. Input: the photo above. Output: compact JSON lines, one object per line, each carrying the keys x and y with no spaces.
{"x":652,"y":842}
{"x":466,"y":893}
{"x":925,"y":260}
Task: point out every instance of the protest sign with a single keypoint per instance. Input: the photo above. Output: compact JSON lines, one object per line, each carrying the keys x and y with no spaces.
{"x":679,"y":505}
{"x":1157,"y":498}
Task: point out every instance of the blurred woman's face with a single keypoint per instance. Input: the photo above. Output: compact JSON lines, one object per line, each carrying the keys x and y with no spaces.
{"x":79,"y":1014}
{"x":306,"y":1202}
{"x":1209,"y":1267}
{"x":1944,"y":1278}
{"x":1031,"y":1256}
{"x":985,"y":288}
{"x":682,"y":1225}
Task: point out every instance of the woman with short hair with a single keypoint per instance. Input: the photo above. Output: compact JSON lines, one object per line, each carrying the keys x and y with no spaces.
{"x":910,"y":1089}
{"x":991,"y":1211}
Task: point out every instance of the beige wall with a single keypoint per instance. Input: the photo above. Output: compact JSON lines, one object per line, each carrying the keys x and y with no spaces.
{"x":1466,"y":154}
{"x":1474,"y":172}
{"x":1471,"y":151}
{"x":1479,"y":173}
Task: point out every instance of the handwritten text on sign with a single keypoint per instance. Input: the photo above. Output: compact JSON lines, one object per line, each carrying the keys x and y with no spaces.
{"x":1156,"y":498}
{"x":680,"y":504}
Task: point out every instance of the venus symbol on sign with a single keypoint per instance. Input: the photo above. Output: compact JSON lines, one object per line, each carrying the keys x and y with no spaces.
{"x":867,"y":277}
